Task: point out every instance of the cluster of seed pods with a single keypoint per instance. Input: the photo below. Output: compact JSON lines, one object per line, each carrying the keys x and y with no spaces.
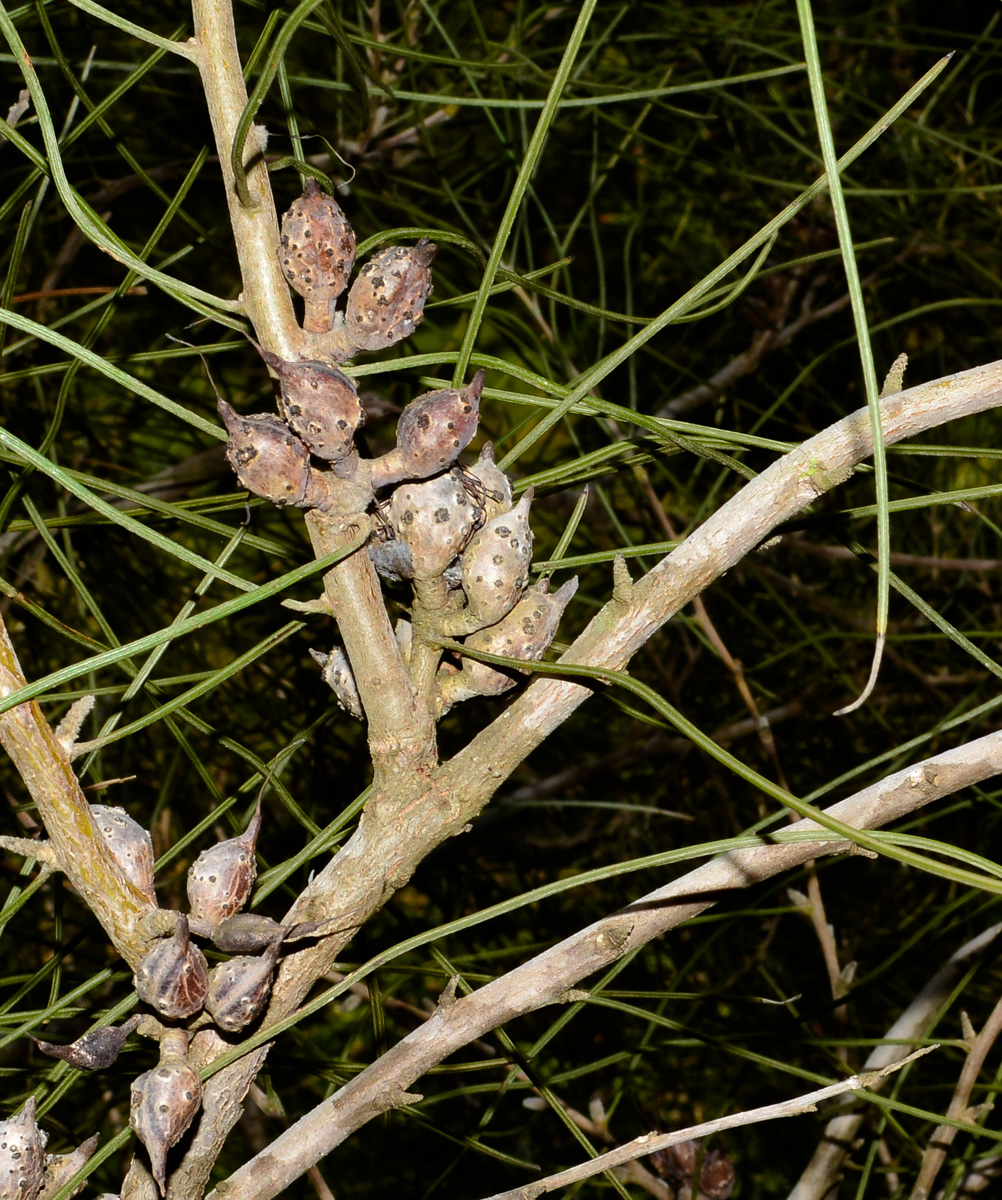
{"x":174,"y":980}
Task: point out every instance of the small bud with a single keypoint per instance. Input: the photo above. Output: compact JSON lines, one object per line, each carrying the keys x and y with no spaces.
{"x":320,"y":405}
{"x":60,"y":1168}
{"x":165,"y":1101}
{"x":221,"y":878}
{"x":317,"y":253}
{"x":22,"y":1155}
{"x":338,"y":676}
{"x":95,"y":1050}
{"x":435,"y":427}
{"x":386,"y":301}
{"x":496,"y":566}
{"x":173,"y":977}
{"x":525,"y":633}
{"x":239,"y":988}
{"x":435,"y":520}
{"x":270,"y":460}
{"x":130,"y":845}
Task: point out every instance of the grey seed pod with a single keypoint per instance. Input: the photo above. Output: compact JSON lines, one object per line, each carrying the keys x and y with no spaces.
{"x":525,"y":633}
{"x":60,"y":1168}
{"x":435,"y":520}
{"x":173,"y":977}
{"x":95,"y":1050}
{"x":269,"y":460}
{"x":22,"y":1155}
{"x":497,"y":497}
{"x":221,"y":878}
{"x":386,"y":301}
{"x":130,"y":845}
{"x":165,"y":1101}
{"x":246,"y":933}
{"x":320,"y":405}
{"x":317,"y":250}
{"x":496,"y":566}
{"x":435,"y":427}
{"x":239,"y":988}
{"x":392,"y":559}
{"x":338,"y":676}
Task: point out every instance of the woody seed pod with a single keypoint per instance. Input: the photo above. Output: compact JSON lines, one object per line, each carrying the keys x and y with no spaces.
{"x":130,"y":845}
{"x":525,"y":633}
{"x":95,"y":1050}
{"x":173,"y":977}
{"x":221,"y":878}
{"x":435,"y":520}
{"x":317,"y":253}
{"x":392,"y":559}
{"x":60,"y":1168}
{"x":679,"y":1164}
{"x":338,"y":676}
{"x":165,"y":1102}
{"x":239,"y":988}
{"x":320,"y":405}
{"x":435,"y":427}
{"x":270,"y":460}
{"x":496,"y":566}
{"x":245,"y":933}
{"x":22,"y":1155}
{"x":386,"y":301}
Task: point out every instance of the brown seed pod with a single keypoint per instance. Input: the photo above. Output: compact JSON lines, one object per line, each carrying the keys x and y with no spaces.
{"x":165,"y":1101}
{"x":221,"y":878}
{"x":435,"y":520}
{"x":95,"y":1050}
{"x":317,"y":253}
{"x":496,"y":566}
{"x":525,"y":633}
{"x":130,"y":845}
{"x":497,"y":497}
{"x":60,"y":1168}
{"x":320,"y":405}
{"x":173,"y":977}
{"x":270,"y":460}
{"x":679,"y":1163}
{"x":247,"y":933}
{"x":435,"y":427}
{"x":338,"y":676}
{"x":22,"y":1155}
{"x":386,"y":301}
{"x":239,"y":988}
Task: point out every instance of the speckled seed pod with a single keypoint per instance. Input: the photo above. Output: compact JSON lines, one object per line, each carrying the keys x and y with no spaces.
{"x":525,"y":633}
{"x":165,"y":1101}
{"x":95,"y":1050}
{"x":130,"y":845}
{"x":435,"y":427}
{"x":386,"y":301}
{"x":270,"y":460}
{"x":22,"y":1155}
{"x":317,"y":253}
{"x":338,"y":676}
{"x":173,"y":977}
{"x":435,"y":520}
{"x":60,"y":1168}
{"x":320,"y":405}
{"x":239,"y":988}
{"x":497,"y":497}
{"x":221,"y":878}
{"x":496,"y":566}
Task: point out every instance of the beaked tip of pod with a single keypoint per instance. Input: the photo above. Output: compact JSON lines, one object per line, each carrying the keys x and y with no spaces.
{"x":319,"y":657}
{"x":312,"y":186}
{"x":182,"y":933}
{"x":527,"y":496}
{"x":487,"y":453}
{"x":231,"y":418}
{"x":425,"y":250}
{"x":476,"y":387}
{"x":565,"y":593}
{"x":249,"y":835}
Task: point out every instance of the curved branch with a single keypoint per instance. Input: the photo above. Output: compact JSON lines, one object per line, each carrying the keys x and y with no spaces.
{"x":550,"y":977}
